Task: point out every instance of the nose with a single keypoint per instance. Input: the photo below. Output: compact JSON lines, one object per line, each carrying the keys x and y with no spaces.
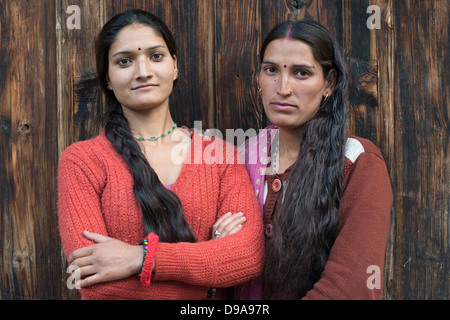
{"x":284,"y":88}
{"x":143,"y":69}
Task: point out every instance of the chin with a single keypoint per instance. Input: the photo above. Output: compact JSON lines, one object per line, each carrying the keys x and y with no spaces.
{"x":145,"y":104}
{"x":285,"y":122}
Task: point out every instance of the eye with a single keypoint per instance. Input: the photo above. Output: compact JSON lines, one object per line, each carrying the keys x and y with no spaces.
{"x":302,"y":73}
{"x":157,"y":56}
{"x":270,"y":69}
{"x":123,"y":61}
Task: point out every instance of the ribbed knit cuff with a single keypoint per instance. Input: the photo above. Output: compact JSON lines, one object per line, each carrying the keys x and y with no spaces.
{"x":146,"y":273}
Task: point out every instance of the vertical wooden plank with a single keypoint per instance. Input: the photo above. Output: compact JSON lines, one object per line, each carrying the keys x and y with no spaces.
{"x":370,"y":66}
{"x":422,"y":118}
{"x":80,"y":108}
{"x":413,"y":96}
{"x":237,"y":44}
{"x":387,"y":82}
{"x":29,"y":250}
{"x":383,"y":48}
{"x":359,"y":47}
{"x":79,"y":103}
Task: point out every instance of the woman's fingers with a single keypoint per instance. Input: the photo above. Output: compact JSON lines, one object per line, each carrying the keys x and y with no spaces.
{"x":80,"y":253}
{"x":219,"y":221}
{"x":82,"y":262}
{"x":231,"y":225}
{"x":95,"y":237}
{"x":232,"y":231}
{"x":86,"y":276}
{"x":87,"y":251}
{"x":80,"y":275}
{"x":228,"y":224}
{"x":89,"y":281}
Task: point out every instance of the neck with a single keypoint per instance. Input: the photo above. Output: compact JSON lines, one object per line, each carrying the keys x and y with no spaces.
{"x":289,"y":143}
{"x":149,"y":122}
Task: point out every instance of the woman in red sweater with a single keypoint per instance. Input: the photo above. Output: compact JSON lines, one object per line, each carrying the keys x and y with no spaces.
{"x":138,"y":199}
{"x":324,"y":193}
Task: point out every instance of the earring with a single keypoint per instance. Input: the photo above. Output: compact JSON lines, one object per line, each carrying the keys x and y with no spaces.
{"x":259,"y":91}
{"x":326,"y":97}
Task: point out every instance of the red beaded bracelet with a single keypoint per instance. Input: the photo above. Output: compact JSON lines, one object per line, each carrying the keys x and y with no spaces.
{"x":150,"y":247}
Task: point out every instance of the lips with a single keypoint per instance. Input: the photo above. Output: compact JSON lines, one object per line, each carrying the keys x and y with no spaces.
{"x":145,"y":86}
{"x":283,"y":105}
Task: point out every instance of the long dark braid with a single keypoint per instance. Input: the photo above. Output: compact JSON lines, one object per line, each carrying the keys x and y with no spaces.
{"x":161,"y":208}
{"x":305,"y":227}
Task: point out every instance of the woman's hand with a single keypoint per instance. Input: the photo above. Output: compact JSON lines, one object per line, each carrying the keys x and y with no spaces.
{"x":227,"y":225}
{"x":107,"y":260}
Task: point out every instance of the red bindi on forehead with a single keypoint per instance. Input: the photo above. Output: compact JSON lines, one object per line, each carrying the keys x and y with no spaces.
{"x":285,"y":66}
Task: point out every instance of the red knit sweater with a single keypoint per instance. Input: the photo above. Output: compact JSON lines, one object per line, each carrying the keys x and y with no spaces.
{"x":95,"y":193}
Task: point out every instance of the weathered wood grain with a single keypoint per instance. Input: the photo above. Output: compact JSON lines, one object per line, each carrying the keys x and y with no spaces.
{"x":399,"y":98}
{"x":383,"y":52}
{"x":421,"y":171}
{"x":29,"y":249}
{"x":236,"y":47}
{"x":80,"y":111}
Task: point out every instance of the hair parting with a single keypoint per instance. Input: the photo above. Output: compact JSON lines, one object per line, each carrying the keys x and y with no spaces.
{"x":288,"y":36}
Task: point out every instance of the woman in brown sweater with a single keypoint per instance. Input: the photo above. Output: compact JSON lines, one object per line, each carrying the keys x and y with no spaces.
{"x":325,"y":194}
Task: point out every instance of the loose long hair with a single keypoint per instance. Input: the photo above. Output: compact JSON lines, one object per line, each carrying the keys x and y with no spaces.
{"x":161,"y":209}
{"x":306,"y":226}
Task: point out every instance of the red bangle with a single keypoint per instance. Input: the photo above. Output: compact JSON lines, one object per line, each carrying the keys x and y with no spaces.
{"x":146,"y":273}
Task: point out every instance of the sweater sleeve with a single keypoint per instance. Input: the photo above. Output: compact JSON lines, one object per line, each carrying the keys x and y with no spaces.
{"x":80,"y":185}
{"x":79,"y":192}
{"x":222,"y":262}
{"x":354,"y":269}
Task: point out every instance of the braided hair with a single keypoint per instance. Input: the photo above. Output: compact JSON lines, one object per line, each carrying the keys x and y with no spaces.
{"x":161,"y":208}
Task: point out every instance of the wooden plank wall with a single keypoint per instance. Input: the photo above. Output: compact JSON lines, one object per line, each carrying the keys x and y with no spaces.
{"x":399,"y":99}
{"x":418,"y":154}
{"x":30,"y":257}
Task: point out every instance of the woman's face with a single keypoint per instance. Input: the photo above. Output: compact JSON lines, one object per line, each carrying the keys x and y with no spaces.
{"x":141,"y":70}
{"x":292,"y":83}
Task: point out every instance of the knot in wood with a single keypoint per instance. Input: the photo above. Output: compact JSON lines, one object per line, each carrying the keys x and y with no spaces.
{"x":24,"y":129}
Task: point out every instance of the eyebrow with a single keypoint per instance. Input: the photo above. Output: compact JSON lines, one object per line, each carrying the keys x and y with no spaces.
{"x":129,"y":52}
{"x":307,"y":66}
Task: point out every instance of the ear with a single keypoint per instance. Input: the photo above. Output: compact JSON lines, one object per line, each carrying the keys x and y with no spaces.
{"x":330,"y":82}
{"x":258,"y":86}
{"x":107,"y":82}
{"x":175,"y":73}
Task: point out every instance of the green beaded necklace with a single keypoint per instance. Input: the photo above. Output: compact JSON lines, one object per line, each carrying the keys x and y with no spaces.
{"x":160,"y":136}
